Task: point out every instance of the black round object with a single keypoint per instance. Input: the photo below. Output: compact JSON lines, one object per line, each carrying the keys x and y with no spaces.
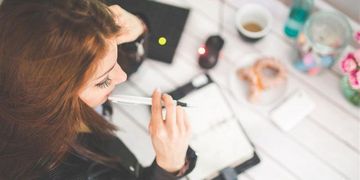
{"x":213,"y":45}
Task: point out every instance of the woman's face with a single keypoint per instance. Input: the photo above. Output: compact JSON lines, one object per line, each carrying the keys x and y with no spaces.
{"x":108,"y":73}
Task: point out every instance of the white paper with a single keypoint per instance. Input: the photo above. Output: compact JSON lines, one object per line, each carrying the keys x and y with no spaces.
{"x":292,"y":111}
{"x":217,"y":137}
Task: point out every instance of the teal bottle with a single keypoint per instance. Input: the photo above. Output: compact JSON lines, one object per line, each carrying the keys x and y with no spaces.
{"x":299,"y":13}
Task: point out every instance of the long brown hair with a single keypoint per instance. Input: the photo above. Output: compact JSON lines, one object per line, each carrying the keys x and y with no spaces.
{"x":48,"y":50}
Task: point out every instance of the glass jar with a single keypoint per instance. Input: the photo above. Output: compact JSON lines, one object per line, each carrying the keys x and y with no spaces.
{"x":352,"y":95}
{"x":324,"y":37}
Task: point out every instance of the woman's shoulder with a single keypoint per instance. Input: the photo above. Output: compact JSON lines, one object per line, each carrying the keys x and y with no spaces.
{"x":75,"y":166}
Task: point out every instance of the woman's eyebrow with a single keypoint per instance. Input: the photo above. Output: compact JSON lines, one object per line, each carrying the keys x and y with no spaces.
{"x":107,"y":71}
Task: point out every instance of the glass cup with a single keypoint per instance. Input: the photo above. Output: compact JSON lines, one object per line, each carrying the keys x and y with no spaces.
{"x":324,"y":37}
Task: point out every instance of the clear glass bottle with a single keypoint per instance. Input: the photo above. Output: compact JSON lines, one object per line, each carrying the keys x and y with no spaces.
{"x":299,"y":13}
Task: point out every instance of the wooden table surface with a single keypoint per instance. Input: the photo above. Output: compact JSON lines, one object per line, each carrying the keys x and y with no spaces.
{"x":323,"y":146}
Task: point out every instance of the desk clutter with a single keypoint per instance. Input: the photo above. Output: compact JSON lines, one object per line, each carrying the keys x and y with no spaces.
{"x":320,"y":37}
{"x":260,"y":80}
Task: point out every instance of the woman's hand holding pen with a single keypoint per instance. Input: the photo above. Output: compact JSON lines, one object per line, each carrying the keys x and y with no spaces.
{"x":170,"y":137}
{"x":131,"y":27}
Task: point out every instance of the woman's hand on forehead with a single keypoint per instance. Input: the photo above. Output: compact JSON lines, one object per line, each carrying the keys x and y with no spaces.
{"x":131,"y":27}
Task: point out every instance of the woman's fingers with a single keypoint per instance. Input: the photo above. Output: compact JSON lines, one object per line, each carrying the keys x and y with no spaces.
{"x":115,"y":10}
{"x":156,"y":108}
{"x":170,"y":111}
{"x":180,"y":119}
{"x":131,"y":27}
{"x":187,"y":124}
{"x":170,"y":138}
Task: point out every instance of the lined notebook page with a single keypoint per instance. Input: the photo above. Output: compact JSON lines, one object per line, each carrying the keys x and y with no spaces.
{"x":217,"y":137}
{"x":210,"y":110}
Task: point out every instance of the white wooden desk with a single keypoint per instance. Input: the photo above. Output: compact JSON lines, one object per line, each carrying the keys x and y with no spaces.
{"x":324,"y":146}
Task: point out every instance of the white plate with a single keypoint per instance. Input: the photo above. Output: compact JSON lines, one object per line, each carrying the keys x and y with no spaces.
{"x":240,"y":87}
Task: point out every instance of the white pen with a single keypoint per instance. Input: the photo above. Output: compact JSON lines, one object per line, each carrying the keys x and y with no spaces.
{"x":139,"y":100}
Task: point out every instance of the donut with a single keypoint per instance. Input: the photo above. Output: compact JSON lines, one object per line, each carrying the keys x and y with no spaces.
{"x":249,"y":75}
{"x":270,"y":64}
{"x":258,"y":80}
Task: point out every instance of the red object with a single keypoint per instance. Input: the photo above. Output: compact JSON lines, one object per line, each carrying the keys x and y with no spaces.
{"x":201,"y":50}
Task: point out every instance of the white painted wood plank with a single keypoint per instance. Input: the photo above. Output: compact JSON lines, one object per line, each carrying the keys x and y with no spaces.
{"x":179,"y":66}
{"x":269,"y":169}
{"x":244,"y":177}
{"x":282,"y":148}
{"x":131,"y":134}
{"x":151,"y":79}
{"x":323,"y":145}
{"x":140,"y":113}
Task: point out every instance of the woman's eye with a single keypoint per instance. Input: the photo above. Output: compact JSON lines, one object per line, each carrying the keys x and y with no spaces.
{"x":104,"y":84}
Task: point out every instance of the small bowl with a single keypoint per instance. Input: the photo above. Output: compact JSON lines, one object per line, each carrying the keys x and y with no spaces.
{"x":253,"y":21}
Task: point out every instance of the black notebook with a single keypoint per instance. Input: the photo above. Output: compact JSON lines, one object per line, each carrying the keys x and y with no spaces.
{"x":163,"y":20}
{"x":218,"y":137}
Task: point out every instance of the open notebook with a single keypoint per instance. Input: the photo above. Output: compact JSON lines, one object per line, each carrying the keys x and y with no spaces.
{"x":218,"y":137}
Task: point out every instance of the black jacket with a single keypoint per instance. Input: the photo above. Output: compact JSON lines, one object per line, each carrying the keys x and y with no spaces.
{"x":77,"y":167}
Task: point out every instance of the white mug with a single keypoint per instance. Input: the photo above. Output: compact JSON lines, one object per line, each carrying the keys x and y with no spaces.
{"x":253,"y":13}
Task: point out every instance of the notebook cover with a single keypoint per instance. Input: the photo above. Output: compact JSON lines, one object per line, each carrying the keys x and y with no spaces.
{"x":163,"y":21}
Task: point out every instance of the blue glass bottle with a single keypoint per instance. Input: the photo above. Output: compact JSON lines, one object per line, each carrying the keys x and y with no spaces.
{"x":299,"y":13}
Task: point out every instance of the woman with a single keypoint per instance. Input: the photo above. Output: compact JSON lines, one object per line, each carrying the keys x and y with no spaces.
{"x":57,"y":62}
